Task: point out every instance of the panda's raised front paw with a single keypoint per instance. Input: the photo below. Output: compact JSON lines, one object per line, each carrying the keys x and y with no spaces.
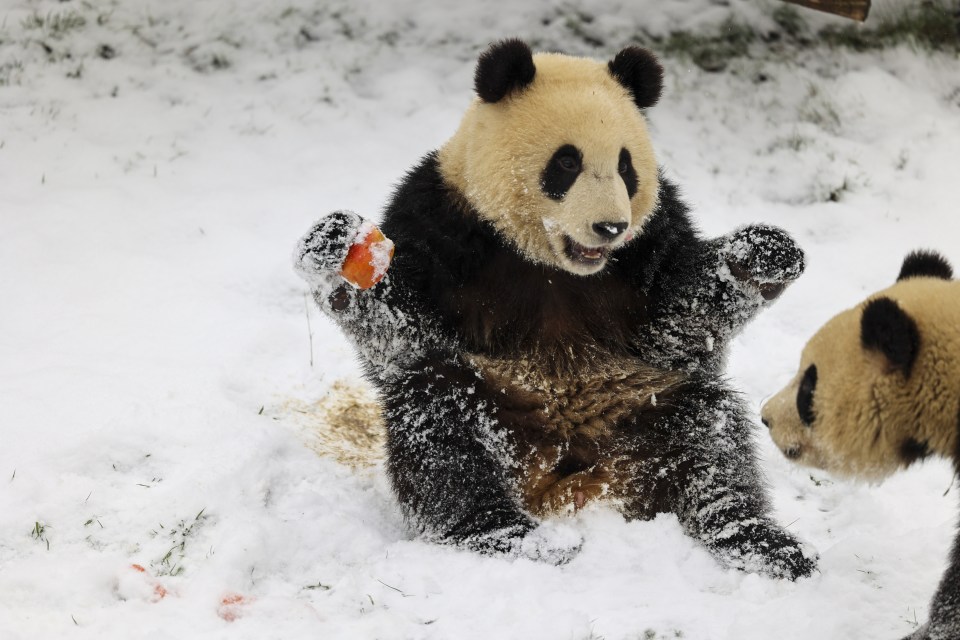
{"x":321,"y":252}
{"x":765,"y":257}
{"x":550,"y":542}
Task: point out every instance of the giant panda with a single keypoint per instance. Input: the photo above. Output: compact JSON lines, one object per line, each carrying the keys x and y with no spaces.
{"x":878,"y":389}
{"x":552,"y":328}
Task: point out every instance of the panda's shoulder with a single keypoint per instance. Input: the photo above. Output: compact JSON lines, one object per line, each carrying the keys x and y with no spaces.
{"x":667,"y":234}
{"x":432,"y":228}
{"x":671,"y":220}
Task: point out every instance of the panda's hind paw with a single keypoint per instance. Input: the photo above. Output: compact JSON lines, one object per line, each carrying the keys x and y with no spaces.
{"x":322,"y":250}
{"x":763,"y":547}
{"x":766,"y":257}
{"x":550,"y":542}
{"x":794,"y":561}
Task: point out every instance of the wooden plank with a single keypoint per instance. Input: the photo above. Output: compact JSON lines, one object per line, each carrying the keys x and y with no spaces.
{"x":853,"y":9}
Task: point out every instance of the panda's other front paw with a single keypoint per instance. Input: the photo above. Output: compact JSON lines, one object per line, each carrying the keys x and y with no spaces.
{"x":321,"y":252}
{"x":766,"y":257}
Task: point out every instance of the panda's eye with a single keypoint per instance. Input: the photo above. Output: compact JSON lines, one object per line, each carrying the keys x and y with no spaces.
{"x":627,"y":173}
{"x":569,"y":163}
{"x":805,"y":395}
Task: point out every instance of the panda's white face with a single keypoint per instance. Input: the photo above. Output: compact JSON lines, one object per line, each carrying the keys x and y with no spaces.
{"x":590,"y":216}
{"x":564,"y":170}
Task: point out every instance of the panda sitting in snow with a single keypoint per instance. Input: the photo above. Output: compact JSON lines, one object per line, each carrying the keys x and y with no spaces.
{"x":879,"y":389}
{"x":552,"y":328}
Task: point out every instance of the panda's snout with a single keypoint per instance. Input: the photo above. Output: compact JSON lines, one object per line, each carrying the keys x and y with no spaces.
{"x":609,"y":230}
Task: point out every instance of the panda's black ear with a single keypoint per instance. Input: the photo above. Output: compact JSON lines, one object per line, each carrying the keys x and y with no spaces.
{"x":925,"y":263}
{"x":887,"y":328}
{"x":638,"y":70}
{"x":505,"y":67}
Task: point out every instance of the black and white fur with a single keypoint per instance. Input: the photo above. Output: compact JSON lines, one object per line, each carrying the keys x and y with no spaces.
{"x":669,"y":300}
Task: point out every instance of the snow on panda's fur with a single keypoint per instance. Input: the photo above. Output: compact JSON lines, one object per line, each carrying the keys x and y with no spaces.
{"x":552,"y":328}
{"x":879,"y":388}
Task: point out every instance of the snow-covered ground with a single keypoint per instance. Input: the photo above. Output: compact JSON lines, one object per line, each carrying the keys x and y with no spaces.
{"x":158,"y":359}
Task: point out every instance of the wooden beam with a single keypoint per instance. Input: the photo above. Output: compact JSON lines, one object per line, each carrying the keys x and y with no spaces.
{"x":853,"y":9}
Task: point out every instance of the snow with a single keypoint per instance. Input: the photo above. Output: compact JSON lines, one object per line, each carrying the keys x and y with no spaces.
{"x":155,"y":350}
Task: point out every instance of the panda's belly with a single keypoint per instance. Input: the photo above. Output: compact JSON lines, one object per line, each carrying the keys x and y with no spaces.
{"x":564,"y":426}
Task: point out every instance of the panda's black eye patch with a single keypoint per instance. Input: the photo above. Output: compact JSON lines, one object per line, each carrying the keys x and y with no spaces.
{"x":627,"y":172}
{"x":562,"y":170}
{"x":805,"y":395}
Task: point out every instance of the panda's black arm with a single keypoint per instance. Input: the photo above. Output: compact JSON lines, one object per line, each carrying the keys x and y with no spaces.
{"x":701,"y":292}
{"x":388,"y":324}
{"x":400,"y":319}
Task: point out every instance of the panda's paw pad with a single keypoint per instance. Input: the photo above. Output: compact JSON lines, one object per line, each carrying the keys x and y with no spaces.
{"x":322,"y":250}
{"x":766,"y":257}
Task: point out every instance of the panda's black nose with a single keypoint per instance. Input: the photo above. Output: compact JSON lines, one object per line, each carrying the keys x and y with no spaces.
{"x":609,"y":230}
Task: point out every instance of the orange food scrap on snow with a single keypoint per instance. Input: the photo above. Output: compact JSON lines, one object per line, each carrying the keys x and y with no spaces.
{"x":159,"y":591}
{"x":368,"y":258}
{"x":231,"y":606}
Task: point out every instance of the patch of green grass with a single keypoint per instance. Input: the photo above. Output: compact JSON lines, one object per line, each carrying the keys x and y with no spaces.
{"x":55,"y":24}
{"x":817,"y":109}
{"x":789,"y":21}
{"x":10,"y":74}
{"x":39,"y":533}
{"x":712,"y":51}
{"x":579,"y":25}
{"x":170,"y":564}
{"x":930,"y":24}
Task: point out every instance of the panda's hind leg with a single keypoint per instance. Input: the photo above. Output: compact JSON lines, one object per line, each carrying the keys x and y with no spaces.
{"x":449,"y":460}
{"x":695,"y":458}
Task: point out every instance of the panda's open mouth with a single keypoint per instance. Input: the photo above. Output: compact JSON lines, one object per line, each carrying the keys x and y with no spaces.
{"x":587,"y":256}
